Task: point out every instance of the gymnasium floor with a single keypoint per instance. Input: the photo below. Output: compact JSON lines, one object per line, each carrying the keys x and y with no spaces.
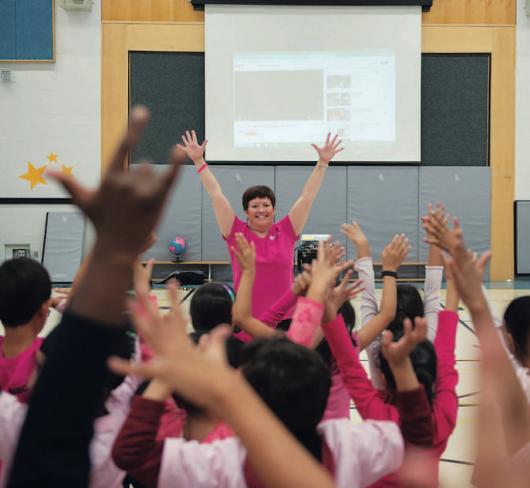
{"x":456,"y":466}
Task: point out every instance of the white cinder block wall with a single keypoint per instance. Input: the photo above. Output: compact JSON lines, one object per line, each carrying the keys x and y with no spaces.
{"x":50,"y":107}
{"x":522,"y":104}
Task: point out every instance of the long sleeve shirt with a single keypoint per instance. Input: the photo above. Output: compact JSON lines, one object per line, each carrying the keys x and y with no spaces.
{"x":278,"y":311}
{"x":307,"y":318}
{"x":369,"y":307}
{"x":138,"y":448}
{"x":373,"y":404}
{"x":360,"y":454}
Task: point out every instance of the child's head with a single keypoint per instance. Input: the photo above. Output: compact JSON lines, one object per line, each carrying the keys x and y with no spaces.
{"x":517,"y":323}
{"x":25,"y":290}
{"x":291,"y":379}
{"x":409,"y":305}
{"x":423,"y":358}
{"x":211,"y":305}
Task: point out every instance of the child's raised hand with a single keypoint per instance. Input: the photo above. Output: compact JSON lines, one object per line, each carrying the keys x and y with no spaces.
{"x":354,"y":234}
{"x":467,"y":270}
{"x":245,"y":253}
{"x":435,"y":225}
{"x":142,"y":276}
{"x":398,"y":352}
{"x":395,"y":252}
{"x":301,"y":282}
{"x":324,"y":270}
{"x":341,"y":293}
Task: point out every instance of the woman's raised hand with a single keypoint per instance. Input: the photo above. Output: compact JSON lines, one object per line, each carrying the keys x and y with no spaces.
{"x":193,"y":149}
{"x":329,"y":150}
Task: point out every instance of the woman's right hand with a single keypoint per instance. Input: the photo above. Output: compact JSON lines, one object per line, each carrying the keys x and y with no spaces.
{"x":192,"y":148}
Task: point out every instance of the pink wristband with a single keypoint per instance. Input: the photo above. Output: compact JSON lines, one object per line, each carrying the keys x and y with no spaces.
{"x":202,"y":168}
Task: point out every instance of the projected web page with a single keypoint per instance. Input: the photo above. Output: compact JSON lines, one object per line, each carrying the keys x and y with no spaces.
{"x":293,"y":98}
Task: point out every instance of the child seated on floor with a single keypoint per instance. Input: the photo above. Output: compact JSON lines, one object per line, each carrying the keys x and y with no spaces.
{"x":157,"y":413}
{"x":25,"y":290}
{"x":409,"y":301}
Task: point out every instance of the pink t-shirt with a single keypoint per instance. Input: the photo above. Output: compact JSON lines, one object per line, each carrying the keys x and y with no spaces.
{"x":15,"y":372}
{"x":274,"y":261}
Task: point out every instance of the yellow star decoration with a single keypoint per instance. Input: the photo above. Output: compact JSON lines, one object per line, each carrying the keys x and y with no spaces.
{"x":52,"y":157}
{"x":67,"y":170}
{"x":34,"y":175}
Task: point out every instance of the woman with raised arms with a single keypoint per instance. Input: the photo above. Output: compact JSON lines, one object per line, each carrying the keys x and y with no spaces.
{"x":274,"y":241}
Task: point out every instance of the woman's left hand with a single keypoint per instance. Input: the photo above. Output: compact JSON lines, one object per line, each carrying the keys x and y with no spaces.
{"x":330,"y":149}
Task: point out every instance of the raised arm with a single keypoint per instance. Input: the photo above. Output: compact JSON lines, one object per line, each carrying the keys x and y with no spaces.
{"x":433,"y":273}
{"x":411,"y":397}
{"x":365,"y":268}
{"x":300,"y":210}
{"x":394,"y":253}
{"x":467,"y":275}
{"x":124,"y":210}
{"x":224,"y":213}
{"x":245,"y":254}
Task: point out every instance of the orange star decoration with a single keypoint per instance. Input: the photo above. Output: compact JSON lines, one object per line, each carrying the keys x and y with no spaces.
{"x":34,"y":175}
{"x":67,"y":170}
{"x":52,"y":157}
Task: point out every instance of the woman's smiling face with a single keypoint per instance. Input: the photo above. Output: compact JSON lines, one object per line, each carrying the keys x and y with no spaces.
{"x":260,"y":213}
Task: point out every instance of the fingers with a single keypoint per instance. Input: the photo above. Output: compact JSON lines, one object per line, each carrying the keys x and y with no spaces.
{"x":149,"y":268}
{"x":163,"y":182}
{"x":420,"y":330}
{"x":407,"y":328}
{"x":327,"y":138}
{"x":80,"y":195}
{"x":174,"y":295}
{"x":124,"y":368}
{"x":386,"y":338}
{"x":138,"y":121}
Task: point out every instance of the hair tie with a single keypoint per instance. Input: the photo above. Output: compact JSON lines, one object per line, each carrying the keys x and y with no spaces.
{"x":230,"y":291}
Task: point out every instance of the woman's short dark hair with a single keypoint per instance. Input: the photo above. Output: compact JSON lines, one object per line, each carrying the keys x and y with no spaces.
{"x":259,"y":191}
{"x":517,"y":323}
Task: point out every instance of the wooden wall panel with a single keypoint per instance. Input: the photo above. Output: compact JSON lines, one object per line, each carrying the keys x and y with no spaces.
{"x":149,"y":11}
{"x":500,"y":43}
{"x":484,"y":12}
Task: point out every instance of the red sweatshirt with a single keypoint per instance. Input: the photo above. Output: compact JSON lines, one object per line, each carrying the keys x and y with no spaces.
{"x":138,"y":447}
{"x":372,"y":404}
